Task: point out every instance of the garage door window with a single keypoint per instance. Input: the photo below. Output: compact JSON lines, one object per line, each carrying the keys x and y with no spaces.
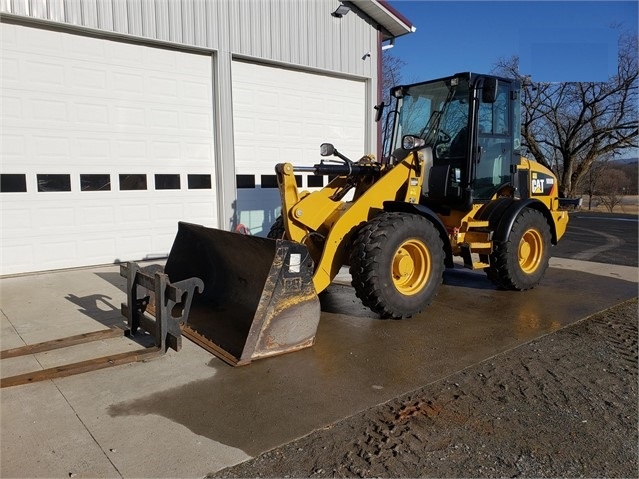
{"x":245,"y":181}
{"x":50,"y":183}
{"x":13,"y":183}
{"x":315,"y":181}
{"x":132,"y":182}
{"x":270,"y":181}
{"x":199,"y":182}
{"x":95,"y":182}
{"x":167,"y":182}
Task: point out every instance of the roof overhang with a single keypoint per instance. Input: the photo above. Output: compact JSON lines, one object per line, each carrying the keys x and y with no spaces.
{"x":392,"y":23}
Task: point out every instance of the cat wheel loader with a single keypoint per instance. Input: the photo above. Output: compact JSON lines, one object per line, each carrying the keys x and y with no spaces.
{"x":451,"y":183}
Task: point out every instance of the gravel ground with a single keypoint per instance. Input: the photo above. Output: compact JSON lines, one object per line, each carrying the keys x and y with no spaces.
{"x":564,"y":405}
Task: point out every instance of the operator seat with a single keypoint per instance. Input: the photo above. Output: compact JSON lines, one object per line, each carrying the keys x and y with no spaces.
{"x":459,"y":144}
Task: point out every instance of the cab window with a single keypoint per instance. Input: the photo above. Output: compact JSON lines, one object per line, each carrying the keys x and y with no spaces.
{"x":495,"y":142}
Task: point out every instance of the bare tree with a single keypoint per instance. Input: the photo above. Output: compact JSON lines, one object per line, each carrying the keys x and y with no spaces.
{"x":612,"y":188}
{"x":391,"y":76}
{"x":568,"y":126}
{"x":391,"y":73}
{"x":590,"y":181}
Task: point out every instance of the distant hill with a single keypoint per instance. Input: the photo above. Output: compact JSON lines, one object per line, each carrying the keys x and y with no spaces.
{"x":630,"y":167}
{"x":625,"y":161}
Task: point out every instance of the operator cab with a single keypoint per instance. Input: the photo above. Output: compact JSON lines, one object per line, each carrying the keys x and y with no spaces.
{"x":470,"y":129}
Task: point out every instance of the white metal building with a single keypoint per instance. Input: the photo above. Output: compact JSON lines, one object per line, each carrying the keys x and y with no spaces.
{"x":120,"y":118}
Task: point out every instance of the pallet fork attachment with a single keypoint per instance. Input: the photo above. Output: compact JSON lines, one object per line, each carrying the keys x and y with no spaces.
{"x":156,"y":318}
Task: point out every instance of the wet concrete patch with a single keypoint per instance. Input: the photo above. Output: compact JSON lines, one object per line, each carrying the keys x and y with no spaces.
{"x":359,"y":361}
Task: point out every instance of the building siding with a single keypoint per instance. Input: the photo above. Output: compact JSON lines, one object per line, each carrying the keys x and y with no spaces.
{"x":297,"y":32}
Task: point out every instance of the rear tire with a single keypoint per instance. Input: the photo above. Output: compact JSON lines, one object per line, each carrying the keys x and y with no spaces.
{"x":521,"y":261}
{"x":397,"y":264}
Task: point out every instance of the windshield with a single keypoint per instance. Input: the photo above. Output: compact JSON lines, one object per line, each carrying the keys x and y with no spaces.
{"x":437,"y":112}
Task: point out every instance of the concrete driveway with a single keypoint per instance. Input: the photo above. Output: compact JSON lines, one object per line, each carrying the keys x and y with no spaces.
{"x":187,"y":414}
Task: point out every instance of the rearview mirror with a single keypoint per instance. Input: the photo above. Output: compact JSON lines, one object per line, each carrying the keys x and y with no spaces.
{"x":379,"y":111}
{"x":489,"y":90}
{"x":326,"y":149}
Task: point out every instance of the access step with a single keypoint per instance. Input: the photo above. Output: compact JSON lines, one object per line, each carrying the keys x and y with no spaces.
{"x":482,"y":248}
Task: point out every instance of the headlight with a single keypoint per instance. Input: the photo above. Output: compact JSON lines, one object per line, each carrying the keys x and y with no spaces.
{"x":410,"y":142}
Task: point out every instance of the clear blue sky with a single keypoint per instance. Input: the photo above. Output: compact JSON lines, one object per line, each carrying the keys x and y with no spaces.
{"x":555,"y":40}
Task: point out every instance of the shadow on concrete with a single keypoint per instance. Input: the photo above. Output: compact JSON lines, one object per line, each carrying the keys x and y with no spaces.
{"x":99,"y":307}
{"x":341,"y":299}
{"x":106,"y":309}
{"x":467,"y":278}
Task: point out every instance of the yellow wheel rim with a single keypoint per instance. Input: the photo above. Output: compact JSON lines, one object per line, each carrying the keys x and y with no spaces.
{"x":531,"y":248}
{"x":411,"y":267}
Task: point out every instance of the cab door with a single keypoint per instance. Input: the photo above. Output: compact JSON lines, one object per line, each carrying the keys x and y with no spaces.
{"x":495,"y":146}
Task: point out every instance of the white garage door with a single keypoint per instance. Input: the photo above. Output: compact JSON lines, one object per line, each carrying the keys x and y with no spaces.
{"x":282,"y":115}
{"x":105,"y":147}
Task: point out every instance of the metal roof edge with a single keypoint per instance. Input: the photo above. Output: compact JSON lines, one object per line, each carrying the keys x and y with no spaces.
{"x":393,"y":23}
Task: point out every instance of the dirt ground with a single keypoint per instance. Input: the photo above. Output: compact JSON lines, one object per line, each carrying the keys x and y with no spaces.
{"x":564,"y":405}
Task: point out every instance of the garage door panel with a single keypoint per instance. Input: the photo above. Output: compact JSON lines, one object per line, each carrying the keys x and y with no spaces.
{"x":126,"y":149}
{"x":129,"y":116}
{"x":166,"y":215}
{"x":97,"y":215}
{"x":57,"y":253}
{"x":13,"y":148}
{"x":161,"y":86}
{"x":197,"y":121}
{"x":16,"y":255}
{"x":12,"y":108}
{"x":291,"y":129}
{"x":195,"y":91}
{"x":87,"y":113}
{"x":138,"y":245}
{"x":19,"y":218}
{"x":87,"y":80}
{"x":76,"y":106}
{"x":197,"y":154}
{"x":98,"y":248}
{"x":88,"y":49}
{"x":202,"y":213}
{"x":44,"y":74}
{"x":244,"y":95}
{"x":126,"y":85}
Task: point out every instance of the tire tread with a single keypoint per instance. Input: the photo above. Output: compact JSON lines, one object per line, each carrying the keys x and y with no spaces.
{"x":369,"y":246}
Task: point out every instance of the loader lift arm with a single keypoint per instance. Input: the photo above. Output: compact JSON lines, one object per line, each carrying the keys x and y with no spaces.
{"x":324,"y":223}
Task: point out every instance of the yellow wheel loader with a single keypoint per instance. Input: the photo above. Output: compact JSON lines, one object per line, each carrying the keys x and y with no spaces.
{"x":451,"y":183}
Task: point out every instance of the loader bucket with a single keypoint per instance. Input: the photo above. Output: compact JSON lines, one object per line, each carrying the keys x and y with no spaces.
{"x":258,"y":297}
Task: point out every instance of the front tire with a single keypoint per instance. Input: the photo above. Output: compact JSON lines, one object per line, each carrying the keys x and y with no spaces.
{"x":520,"y":262}
{"x":397,"y":264}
